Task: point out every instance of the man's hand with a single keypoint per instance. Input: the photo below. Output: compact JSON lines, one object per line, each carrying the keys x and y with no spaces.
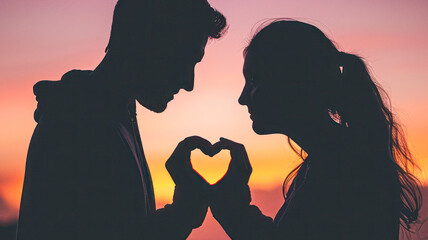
{"x":192,"y":191}
{"x":179,"y":165}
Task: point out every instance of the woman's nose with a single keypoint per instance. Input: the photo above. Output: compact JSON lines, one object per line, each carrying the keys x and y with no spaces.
{"x":243,"y":99}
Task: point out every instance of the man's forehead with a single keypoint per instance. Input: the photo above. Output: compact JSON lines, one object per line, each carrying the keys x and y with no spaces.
{"x":195,"y":41}
{"x":194,"y":46}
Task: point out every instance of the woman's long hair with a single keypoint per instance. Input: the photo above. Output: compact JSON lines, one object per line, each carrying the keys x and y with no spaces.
{"x":342,"y":79}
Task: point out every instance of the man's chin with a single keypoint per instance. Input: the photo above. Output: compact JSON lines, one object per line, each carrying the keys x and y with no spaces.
{"x":158,"y":109}
{"x":154,"y":107}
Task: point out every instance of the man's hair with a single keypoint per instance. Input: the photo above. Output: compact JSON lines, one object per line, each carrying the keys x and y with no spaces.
{"x":135,"y":21}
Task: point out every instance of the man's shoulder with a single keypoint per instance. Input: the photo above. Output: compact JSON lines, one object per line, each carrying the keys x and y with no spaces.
{"x":77,"y":96}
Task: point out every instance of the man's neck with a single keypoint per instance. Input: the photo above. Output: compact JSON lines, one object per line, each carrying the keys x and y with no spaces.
{"x":111,"y":75}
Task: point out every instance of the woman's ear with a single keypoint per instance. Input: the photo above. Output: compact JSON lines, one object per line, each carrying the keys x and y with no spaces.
{"x":333,"y":116}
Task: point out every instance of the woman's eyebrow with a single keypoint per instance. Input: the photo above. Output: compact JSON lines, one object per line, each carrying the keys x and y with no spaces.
{"x":247,"y":73}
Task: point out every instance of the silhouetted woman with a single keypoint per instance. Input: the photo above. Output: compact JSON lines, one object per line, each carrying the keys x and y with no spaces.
{"x":354,"y":182}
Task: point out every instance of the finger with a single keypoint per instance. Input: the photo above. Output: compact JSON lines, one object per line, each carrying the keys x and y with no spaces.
{"x":180,"y":158}
{"x":237,"y":152}
{"x":228,"y":145}
{"x":189,"y":144}
{"x":195,"y":142}
{"x":230,"y":142}
{"x":237,"y":149}
{"x":246,"y":160}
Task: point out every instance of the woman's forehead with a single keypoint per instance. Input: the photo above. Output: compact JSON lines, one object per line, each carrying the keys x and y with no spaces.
{"x":249,"y":62}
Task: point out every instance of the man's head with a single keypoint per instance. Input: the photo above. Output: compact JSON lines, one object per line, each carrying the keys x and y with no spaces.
{"x":159,"y":43}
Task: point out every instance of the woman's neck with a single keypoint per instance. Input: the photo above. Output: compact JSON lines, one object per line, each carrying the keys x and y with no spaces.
{"x":318,"y":137}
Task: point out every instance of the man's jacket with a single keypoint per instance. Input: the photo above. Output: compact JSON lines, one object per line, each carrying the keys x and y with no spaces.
{"x":86,"y":175}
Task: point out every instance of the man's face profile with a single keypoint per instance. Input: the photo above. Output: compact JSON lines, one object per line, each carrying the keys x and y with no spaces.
{"x":165,"y":69}
{"x":159,"y":43}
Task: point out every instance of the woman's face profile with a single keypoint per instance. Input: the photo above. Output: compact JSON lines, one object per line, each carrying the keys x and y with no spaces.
{"x":274,"y":95}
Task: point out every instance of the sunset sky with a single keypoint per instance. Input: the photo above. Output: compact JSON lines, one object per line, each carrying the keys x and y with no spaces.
{"x":41,"y":40}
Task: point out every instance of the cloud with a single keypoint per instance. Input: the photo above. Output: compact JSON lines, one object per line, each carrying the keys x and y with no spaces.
{"x":8,"y":221}
{"x":7,"y":214}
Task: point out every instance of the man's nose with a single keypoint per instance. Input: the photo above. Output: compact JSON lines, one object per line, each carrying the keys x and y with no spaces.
{"x":189,"y":80}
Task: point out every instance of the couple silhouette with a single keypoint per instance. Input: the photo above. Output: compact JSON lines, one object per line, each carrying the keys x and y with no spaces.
{"x":87,"y":177}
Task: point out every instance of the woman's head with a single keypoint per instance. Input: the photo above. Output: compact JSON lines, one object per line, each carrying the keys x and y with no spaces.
{"x":291,"y":70}
{"x":296,"y":79}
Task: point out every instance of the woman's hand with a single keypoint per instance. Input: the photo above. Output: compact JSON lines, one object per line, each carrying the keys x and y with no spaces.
{"x":239,"y":170}
{"x":231,"y":196}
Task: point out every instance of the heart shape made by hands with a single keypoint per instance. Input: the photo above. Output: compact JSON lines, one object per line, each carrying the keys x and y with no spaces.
{"x":211,"y":168}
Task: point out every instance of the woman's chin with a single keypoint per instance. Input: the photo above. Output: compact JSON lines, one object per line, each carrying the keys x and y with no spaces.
{"x":260,"y":129}
{"x":264,"y":129}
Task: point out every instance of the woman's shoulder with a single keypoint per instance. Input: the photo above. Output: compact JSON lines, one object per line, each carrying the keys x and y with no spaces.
{"x":349,"y":161}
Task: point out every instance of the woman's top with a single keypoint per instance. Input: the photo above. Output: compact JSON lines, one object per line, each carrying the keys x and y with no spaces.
{"x":345,"y":191}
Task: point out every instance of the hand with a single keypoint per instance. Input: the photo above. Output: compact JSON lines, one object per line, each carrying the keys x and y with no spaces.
{"x":179,"y":165}
{"x":192,"y":191}
{"x":231,"y":195}
{"x":240,"y":169}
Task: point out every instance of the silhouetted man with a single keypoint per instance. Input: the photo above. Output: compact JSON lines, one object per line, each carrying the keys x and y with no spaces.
{"x":86,"y":175}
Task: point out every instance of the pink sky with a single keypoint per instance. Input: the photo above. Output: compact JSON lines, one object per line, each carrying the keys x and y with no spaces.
{"x":44,"y":39}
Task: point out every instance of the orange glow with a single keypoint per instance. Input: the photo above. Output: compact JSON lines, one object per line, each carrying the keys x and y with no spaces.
{"x":11,"y":191}
{"x":44,"y":39}
{"x":211,"y":169}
